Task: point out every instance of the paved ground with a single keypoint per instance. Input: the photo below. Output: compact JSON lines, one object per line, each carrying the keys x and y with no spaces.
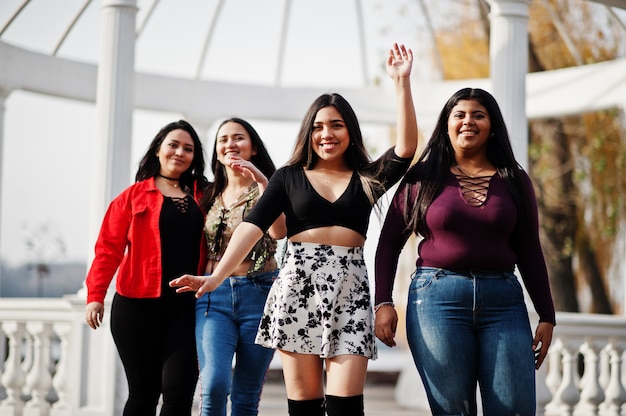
{"x":379,"y":397}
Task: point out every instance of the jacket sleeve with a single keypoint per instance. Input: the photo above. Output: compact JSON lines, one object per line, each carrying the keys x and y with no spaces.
{"x":109,"y":249}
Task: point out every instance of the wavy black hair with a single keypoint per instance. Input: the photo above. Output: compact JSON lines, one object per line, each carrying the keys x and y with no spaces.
{"x":149,"y":166}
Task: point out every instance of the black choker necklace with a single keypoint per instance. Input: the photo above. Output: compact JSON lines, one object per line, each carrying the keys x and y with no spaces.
{"x":168,"y":178}
{"x":175,"y":185}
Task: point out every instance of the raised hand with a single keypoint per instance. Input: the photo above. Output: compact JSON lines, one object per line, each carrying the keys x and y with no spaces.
{"x":399,"y":62}
{"x":248,"y":169}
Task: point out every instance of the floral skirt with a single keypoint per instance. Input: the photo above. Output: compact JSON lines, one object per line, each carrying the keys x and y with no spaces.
{"x":320,"y":303}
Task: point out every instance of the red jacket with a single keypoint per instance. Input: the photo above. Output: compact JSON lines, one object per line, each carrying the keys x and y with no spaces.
{"x":130,"y":240}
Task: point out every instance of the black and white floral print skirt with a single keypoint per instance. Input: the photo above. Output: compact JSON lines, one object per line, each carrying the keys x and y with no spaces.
{"x":320,"y":303}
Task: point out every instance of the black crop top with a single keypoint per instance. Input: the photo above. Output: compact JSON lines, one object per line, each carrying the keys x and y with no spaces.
{"x":290,"y":191}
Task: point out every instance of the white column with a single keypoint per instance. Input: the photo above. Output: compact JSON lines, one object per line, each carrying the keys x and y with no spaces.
{"x":111,"y":173}
{"x":114,"y":108}
{"x":508,"y":52}
{"x":4,"y":93}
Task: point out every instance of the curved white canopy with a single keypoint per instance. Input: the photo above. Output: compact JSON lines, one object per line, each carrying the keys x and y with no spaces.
{"x":59,"y":59}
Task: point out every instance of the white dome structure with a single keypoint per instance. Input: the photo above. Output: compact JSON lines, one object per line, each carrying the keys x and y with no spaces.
{"x":204,"y":60}
{"x":119,"y":64}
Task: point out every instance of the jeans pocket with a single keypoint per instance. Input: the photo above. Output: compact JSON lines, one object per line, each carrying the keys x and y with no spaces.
{"x":514,"y":284}
{"x":422,"y":278}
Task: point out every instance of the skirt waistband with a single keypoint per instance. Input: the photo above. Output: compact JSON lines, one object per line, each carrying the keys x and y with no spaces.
{"x":326,"y":249}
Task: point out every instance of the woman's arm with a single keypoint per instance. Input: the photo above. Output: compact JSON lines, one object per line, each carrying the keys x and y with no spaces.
{"x":243,"y":239}
{"x":399,"y":64}
{"x":109,"y":251}
{"x":392,"y":239}
{"x":278,"y":229}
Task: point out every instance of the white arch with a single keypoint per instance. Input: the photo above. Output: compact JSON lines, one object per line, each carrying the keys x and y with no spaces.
{"x":555,"y":93}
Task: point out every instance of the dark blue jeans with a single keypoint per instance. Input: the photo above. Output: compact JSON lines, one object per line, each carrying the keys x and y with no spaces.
{"x":227,"y":329}
{"x":466,"y":329}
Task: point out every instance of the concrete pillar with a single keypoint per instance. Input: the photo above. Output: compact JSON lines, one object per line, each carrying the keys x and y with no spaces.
{"x":114,"y":108}
{"x":508,"y":51}
{"x":4,"y":93}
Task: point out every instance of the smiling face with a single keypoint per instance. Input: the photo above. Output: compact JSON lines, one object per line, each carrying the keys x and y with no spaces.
{"x":233,"y":141}
{"x":330,"y":137}
{"x":469,"y":127}
{"x":175,"y":153}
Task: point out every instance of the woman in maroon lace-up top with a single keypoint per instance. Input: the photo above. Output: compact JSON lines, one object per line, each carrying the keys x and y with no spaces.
{"x":467,"y":322}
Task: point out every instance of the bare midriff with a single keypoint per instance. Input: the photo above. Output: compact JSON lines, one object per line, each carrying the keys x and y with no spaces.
{"x":333,"y":235}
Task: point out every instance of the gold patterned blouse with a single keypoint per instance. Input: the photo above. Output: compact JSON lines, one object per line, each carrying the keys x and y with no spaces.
{"x":221,"y":221}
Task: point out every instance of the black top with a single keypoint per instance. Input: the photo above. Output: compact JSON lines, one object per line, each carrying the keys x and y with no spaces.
{"x":181,"y":224}
{"x":290,"y":191}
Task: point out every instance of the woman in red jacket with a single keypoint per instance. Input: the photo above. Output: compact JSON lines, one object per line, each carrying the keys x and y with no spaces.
{"x":152,"y":233}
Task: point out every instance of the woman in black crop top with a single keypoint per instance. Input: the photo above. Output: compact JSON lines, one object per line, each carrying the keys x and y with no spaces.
{"x":318,"y":310}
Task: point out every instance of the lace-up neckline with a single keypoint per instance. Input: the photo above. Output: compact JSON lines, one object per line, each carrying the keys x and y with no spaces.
{"x":182,"y":202}
{"x":473,"y":189}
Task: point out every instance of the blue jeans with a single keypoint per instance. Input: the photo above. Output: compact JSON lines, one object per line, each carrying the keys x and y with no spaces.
{"x":227,"y":320}
{"x":472,"y":328}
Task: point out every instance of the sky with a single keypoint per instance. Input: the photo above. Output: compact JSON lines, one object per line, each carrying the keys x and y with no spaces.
{"x":47,"y":148}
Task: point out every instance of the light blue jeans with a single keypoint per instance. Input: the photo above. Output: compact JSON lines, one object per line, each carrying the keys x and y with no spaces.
{"x":469,"y":328}
{"x":227,"y":320}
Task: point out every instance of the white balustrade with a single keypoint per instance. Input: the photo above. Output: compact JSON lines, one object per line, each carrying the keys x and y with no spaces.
{"x":60,"y":379}
{"x":13,"y":376}
{"x":54,"y":365}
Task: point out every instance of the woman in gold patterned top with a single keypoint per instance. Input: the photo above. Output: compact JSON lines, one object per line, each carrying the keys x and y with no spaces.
{"x":227,"y":319}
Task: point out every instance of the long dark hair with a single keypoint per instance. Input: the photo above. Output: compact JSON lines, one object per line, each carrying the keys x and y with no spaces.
{"x":149,"y":166}
{"x":433,"y":166}
{"x":261,"y":159}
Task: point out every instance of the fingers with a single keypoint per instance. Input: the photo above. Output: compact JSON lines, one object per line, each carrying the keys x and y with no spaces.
{"x":184,"y":280}
{"x":387,"y":338}
{"x":248,"y":169}
{"x":399,"y":52}
{"x":189,"y":283}
{"x":93,"y":319}
{"x":386,"y":334}
{"x":386,"y":322}
{"x":540,"y":355}
{"x":94,"y":312}
{"x":541,"y":342}
{"x":202,"y":289}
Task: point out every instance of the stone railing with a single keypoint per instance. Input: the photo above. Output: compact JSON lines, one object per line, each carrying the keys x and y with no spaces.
{"x":53,"y":364}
